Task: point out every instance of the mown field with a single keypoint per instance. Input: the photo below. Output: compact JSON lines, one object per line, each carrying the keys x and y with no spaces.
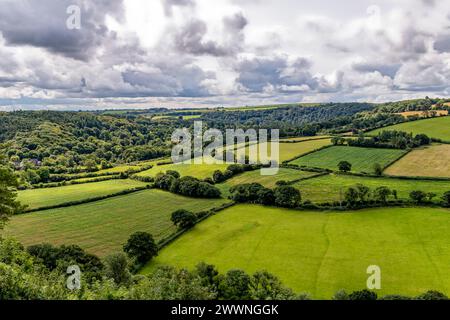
{"x":431,"y":161}
{"x":362,"y":159}
{"x":321,"y":253}
{"x":38,"y":198}
{"x":267,"y":181}
{"x":332,"y":187}
{"x":102,"y":227}
{"x":289,"y":151}
{"x":436,"y":128}
{"x":200,"y":171}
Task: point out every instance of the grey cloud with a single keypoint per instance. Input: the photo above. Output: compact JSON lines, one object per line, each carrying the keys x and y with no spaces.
{"x":169,"y":4}
{"x":43,"y":24}
{"x":190,"y":38}
{"x":442,"y":43}
{"x":389,"y":70}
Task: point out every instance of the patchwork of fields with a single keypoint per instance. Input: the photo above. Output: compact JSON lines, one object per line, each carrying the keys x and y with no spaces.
{"x":332,"y":187}
{"x":362,"y":159}
{"x":321,"y":253}
{"x":38,"y":198}
{"x":435,"y":128}
{"x":432,"y":161}
{"x":102,"y":227}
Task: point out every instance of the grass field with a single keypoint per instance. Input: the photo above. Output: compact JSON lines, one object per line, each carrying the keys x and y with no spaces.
{"x":423,"y":113}
{"x":432,"y":161}
{"x":37,"y":198}
{"x":289,"y":151}
{"x":102,"y":227}
{"x":362,"y":159}
{"x":328,"y":188}
{"x":297,"y":139}
{"x":436,"y":128}
{"x":267,"y":181}
{"x":321,"y":253}
{"x":200,"y":171}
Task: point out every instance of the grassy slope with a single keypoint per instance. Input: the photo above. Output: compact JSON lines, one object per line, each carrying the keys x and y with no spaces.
{"x":433,"y":161}
{"x":362,"y":159}
{"x":37,"y":198}
{"x":327,"y":188}
{"x":103,"y":227}
{"x":321,"y":253}
{"x":435,"y":128}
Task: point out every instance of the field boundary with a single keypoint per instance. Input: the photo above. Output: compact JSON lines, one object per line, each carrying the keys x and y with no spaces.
{"x":307,"y":153}
{"x":87,"y":200}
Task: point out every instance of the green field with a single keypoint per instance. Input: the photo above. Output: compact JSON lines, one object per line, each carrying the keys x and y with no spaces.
{"x":267,"y":181}
{"x":200,"y":171}
{"x":436,"y":128}
{"x":102,"y":227}
{"x":288,"y":151}
{"x":321,"y":253}
{"x":328,"y":188}
{"x":38,"y":198}
{"x":362,"y":159}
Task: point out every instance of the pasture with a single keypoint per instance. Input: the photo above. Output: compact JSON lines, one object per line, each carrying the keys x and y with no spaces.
{"x":38,"y":198}
{"x":200,"y":171}
{"x":332,"y":187}
{"x":362,"y":159}
{"x":267,"y":181}
{"x":435,"y":128}
{"x":102,"y":227}
{"x":289,"y":151}
{"x":321,"y":253}
{"x":430,"y":161}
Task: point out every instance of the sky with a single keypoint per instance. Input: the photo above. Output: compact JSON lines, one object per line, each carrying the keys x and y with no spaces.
{"x":204,"y":53}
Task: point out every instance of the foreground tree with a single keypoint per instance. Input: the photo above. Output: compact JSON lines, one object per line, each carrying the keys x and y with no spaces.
{"x":446,"y":199}
{"x":8,"y":203}
{"x":418,"y":196}
{"x":141,"y":246}
{"x":116,"y":268}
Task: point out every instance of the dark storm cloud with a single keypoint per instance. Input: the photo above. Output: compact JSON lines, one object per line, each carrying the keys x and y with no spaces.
{"x":43,"y":24}
{"x":389,"y":70}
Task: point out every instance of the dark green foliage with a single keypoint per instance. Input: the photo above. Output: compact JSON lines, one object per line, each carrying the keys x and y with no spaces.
{"x":164,"y":181}
{"x":183,"y":219}
{"x":173,"y":173}
{"x":432,"y":295}
{"x":141,"y":246}
{"x":363,"y":295}
{"x":446,"y":199}
{"x":235,"y":285}
{"x":287,"y":197}
{"x":116,"y":268}
{"x":377,"y":169}
{"x":8,"y":203}
{"x":344,"y":166}
{"x":391,"y":139}
{"x":192,"y":187}
{"x":252,"y":193}
{"x":62,"y":257}
{"x":418,"y":196}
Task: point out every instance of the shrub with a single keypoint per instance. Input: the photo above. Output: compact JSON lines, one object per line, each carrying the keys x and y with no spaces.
{"x":418,"y":196}
{"x":432,"y":295}
{"x":446,"y":199}
{"x":116,"y":268}
{"x":363,"y":295}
